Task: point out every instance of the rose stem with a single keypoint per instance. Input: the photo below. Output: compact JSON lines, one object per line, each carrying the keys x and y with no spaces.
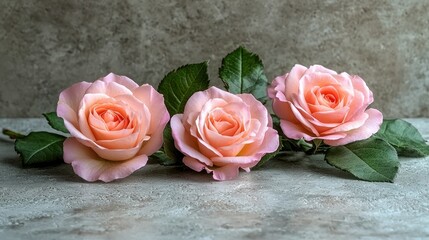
{"x":12,"y":134}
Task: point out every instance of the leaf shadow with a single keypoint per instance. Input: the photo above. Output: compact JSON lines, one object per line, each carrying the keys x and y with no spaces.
{"x":6,"y":140}
{"x":308,"y":164}
{"x":13,"y":162}
{"x":322,"y":168}
{"x":406,"y":158}
{"x":60,"y":172}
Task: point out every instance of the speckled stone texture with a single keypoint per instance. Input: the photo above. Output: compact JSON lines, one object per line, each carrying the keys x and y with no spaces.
{"x":297,"y":198}
{"x":46,"y":45}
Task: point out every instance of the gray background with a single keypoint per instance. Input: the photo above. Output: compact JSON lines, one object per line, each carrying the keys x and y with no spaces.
{"x":46,"y":45}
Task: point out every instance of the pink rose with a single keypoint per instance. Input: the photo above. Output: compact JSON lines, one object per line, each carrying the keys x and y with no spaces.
{"x":115,"y":125}
{"x":318,"y":103}
{"x":222,"y":132}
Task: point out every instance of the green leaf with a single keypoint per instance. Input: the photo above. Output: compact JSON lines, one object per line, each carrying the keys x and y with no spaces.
{"x":372,"y":159}
{"x":297,"y":145}
{"x":303,"y":145}
{"x":276,"y":124}
{"x":163,"y":159}
{"x":404,"y":137}
{"x":179,"y":85}
{"x":40,"y":149}
{"x":243,"y":72}
{"x":11,"y":134}
{"x":267,"y":157}
{"x":55,"y":122}
{"x":174,"y":155}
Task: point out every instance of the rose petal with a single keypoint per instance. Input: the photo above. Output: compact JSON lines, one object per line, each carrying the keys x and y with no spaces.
{"x":356,"y":105}
{"x":371,"y":126}
{"x":257,"y":109}
{"x":184,"y":142}
{"x":114,"y":154}
{"x":200,"y":122}
{"x":237,"y":160}
{"x":302,"y":116}
{"x":268,"y":145}
{"x":293,"y":80}
{"x":321,"y":69}
{"x":152,"y":99}
{"x":217,"y":140}
{"x":111,"y":89}
{"x":227,"y":172}
{"x":230,"y":150}
{"x":91,"y":167}
{"x":125,"y":142}
{"x":69,"y":102}
{"x":360,"y":85}
{"x":277,"y":87}
{"x":196,"y":102}
{"x":223,"y":173}
{"x":140,"y":111}
{"x":108,"y":135}
{"x":331,"y":117}
{"x":84,"y":110}
{"x":153,"y":144}
{"x":345,"y":80}
{"x":283,"y":111}
{"x":193,"y":164}
{"x":295,"y":131}
{"x":122,"y":80}
{"x":309,"y":81}
{"x":76,"y":133}
{"x":69,"y":117}
{"x":347,"y":126}
{"x":208,"y":150}
{"x":72,"y":95}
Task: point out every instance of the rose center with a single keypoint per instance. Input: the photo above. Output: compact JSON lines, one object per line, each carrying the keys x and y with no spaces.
{"x":113,"y":117}
{"x":328,"y":96}
{"x":224,"y":123}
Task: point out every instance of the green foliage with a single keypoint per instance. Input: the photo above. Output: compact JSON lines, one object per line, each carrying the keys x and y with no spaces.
{"x":372,"y":159}
{"x":404,"y":137}
{"x":11,"y":134}
{"x":55,"y":122}
{"x":40,"y":149}
{"x":172,"y":156}
{"x":163,"y":159}
{"x":243,"y":72}
{"x":296,"y":145}
{"x":179,"y":85}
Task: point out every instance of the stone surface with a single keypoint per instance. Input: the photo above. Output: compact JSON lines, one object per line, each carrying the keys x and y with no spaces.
{"x":298,"y":198}
{"x":46,"y":45}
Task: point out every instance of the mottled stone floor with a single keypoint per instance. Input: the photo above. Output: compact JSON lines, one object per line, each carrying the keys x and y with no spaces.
{"x":300,"y":198}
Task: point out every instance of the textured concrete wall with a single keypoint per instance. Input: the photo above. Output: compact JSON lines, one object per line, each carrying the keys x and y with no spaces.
{"x":46,"y":45}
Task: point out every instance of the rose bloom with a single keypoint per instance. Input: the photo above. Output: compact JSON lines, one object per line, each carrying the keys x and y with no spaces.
{"x":115,"y":125}
{"x":318,"y":103}
{"x":222,"y":132}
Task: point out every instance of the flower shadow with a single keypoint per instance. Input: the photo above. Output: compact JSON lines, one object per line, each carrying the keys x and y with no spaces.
{"x":155,"y":172}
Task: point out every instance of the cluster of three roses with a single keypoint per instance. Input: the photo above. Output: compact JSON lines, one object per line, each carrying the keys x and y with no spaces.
{"x":116,"y":124}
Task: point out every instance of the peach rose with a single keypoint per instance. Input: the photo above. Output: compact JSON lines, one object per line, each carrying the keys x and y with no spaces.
{"x":115,"y":125}
{"x":318,"y":103}
{"x":222,"y":132}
